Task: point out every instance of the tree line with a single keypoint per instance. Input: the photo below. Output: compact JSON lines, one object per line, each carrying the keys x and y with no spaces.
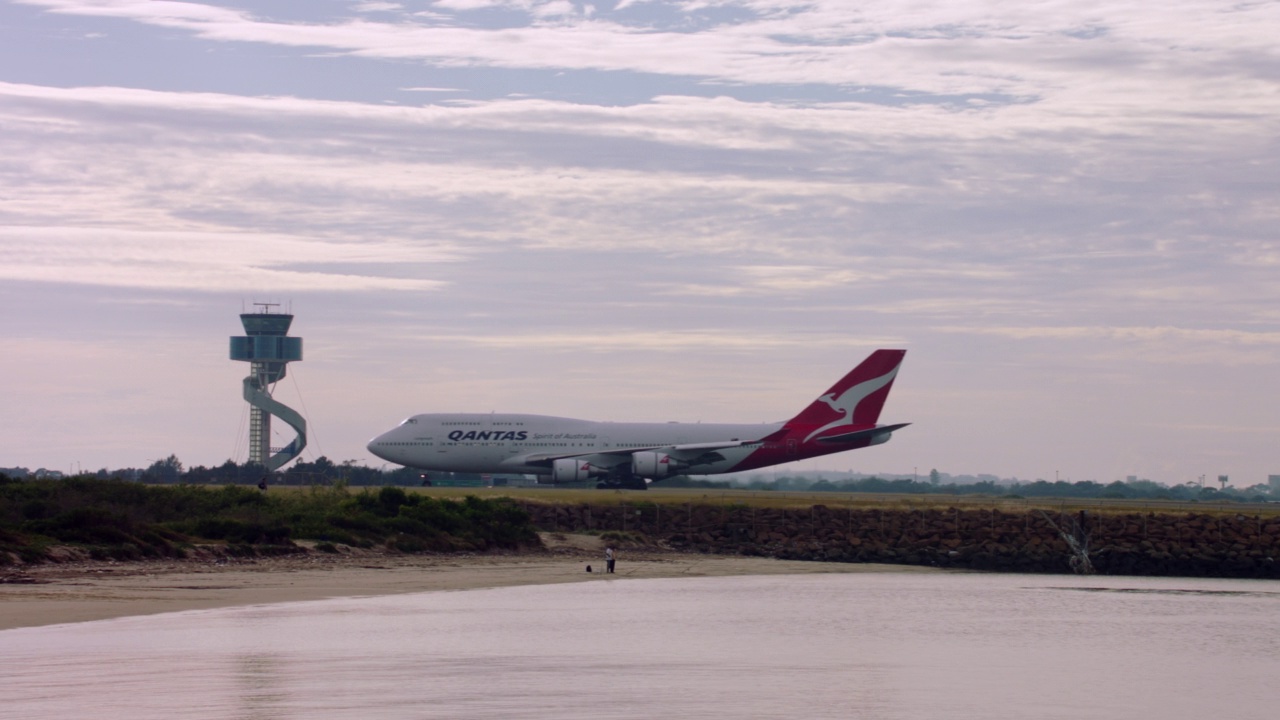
{"x":1138,"y":489}
{"x":323,"y":471}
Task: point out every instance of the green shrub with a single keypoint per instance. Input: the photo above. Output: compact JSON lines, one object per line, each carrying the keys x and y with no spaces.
{"x":122,"y":518}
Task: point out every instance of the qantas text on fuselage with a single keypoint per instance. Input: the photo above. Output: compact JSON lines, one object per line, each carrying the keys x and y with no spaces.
{"x":561,"y":450}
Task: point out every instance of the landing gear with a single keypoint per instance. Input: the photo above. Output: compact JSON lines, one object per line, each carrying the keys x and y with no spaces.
{"x":629,"y":482}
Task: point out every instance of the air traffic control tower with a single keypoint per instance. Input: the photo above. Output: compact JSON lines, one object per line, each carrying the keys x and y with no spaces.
{"x":268,"y":349}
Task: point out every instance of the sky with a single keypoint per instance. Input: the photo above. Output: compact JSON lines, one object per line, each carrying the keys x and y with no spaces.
{"x":689,"y":210}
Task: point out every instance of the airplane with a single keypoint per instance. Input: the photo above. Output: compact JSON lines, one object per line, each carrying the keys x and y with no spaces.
{"x":631,"y":455}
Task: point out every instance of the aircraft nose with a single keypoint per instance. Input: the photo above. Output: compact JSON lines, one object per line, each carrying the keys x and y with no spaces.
{"x":377,"y":446}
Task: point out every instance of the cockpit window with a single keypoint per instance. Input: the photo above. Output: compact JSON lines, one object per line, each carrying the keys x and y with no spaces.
{"x":410,"y":421}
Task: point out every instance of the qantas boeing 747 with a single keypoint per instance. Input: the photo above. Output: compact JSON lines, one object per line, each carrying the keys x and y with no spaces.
{"x":630,"y":455}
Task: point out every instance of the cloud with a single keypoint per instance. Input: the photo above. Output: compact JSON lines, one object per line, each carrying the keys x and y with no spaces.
{"x":659,"y":341}
{"x":1139,"y":334}
{"x":1095,"y":60}
{"x":1135,"y":350}
{"x":207,"y":262}
{"x":1047,"y":224}
{"x":710,"y":122}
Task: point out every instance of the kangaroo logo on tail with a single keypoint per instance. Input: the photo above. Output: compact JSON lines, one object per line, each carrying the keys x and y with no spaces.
{"x":854,"y":401}
{"x":846,"y":403}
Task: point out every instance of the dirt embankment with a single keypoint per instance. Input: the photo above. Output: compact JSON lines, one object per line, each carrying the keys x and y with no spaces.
{"x":1188,"y":545}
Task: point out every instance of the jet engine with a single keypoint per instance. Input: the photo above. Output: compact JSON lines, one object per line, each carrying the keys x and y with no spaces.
{"x":566,"y":470}
{"x":655,"y":465}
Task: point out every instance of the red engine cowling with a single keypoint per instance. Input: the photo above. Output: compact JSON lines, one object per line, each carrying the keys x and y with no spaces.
{"x":566,"y":470}
{"x":655,"y":465}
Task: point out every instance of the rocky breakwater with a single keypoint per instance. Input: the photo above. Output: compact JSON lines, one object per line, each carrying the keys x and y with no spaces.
{"x":1184,"y":544}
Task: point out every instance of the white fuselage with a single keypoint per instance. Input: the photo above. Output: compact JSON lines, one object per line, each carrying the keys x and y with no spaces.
{"x":509,"y":443}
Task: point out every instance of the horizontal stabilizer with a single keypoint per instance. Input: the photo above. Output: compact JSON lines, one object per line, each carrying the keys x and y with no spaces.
{"x":867,"y":434}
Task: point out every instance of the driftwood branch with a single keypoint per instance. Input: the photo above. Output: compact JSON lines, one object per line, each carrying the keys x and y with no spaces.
{"x":1077,"y":541}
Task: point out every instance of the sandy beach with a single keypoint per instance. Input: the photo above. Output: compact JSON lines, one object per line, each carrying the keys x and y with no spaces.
{"x":57,"y":593}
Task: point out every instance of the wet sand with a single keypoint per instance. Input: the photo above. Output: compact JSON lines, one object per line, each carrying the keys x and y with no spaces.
{"x":52,"y":594}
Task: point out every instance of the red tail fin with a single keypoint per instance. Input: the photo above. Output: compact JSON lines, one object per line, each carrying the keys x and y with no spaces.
{"x":856,"y":399}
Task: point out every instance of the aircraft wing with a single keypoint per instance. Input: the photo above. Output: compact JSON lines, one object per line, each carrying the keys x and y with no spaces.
{"x":695,"y":448}
{"x":866,"y":434}
{"x":687,"y":451}
{"x":703,"y":453}
{"x":546,"y":459}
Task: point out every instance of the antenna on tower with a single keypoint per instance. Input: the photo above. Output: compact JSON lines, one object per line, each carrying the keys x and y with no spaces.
{"x":268,"y":349}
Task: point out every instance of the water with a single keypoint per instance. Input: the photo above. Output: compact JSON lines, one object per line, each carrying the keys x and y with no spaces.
{"x":878,"y":646}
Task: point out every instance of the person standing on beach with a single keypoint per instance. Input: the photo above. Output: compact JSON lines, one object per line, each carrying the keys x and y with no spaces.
{"x":608,"y":559}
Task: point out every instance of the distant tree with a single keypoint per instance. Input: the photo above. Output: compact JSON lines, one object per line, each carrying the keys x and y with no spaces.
{"x":227,"y":473}
{"x":934,"y":477}
{"x":684,"y":481}
{"x":1210,"y":493}
{"x":789,"y":483}
{"x":986,"y":487}
{"x":1117,"y":489}
{"x":320,"y":467}
{"x":168,"y":470}
{"x":1146,"y":488}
